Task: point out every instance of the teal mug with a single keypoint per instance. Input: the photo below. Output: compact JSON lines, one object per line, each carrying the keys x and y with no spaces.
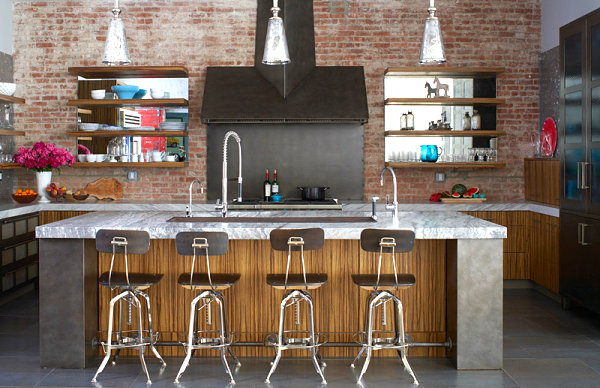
{"x":430,"y":153}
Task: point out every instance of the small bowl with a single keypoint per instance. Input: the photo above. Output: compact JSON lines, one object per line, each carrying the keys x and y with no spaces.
{"x":125,"y":92}
{"x":81,"y":157}
{"x":98,"y":94}
{"x":140,"y":93}
{"x":80,"y":197}
{"x":57,"y":197}
{"x":25,"y":198}
{"x":171,"y":158}
{"x":90,"y":158}
{"x":101,"y":157}
{"x":7,"y":88}
{"x":155,"y":93}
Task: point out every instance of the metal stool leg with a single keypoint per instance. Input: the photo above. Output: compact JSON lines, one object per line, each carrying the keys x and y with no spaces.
{"x":279,"y":337}
{"x":308,"y":299}
{"x":402,"y":339}
{"x":150,"y":332}
{"x":362,"y":349}
{"x":138,"y":305}
{"x":369,"y":334}
{"x":223,"y":335}
{"x":119,"y":335}
{"x":189,"y":352}
{"x":234,"y":357}
{"x":110,"y":325}
{"x":357,"y":357}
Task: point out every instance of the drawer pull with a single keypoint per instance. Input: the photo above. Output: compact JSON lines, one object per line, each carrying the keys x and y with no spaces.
{"x":581,"y":234}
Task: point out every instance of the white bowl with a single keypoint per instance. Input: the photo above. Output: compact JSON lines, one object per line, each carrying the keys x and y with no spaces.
{"x":101,"y":157}
{"x":90,"y":158}
{"x":82,"y":157}
{"x":155,"y":93}
{"x":89,"y":126}
{"x":7,"y":88}
{"x":98,"y":94}
{"x":171,"y":158}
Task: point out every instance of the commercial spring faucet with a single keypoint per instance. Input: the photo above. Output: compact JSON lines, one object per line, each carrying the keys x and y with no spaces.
{"x":223,"y":205}
{"x":394,"y":205}
{"x":188,"y":210}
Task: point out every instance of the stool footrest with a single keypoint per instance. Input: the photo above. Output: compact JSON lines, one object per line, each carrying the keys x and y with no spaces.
{"x":209,"y":342}
{"x":131,"y":341}
{"x":296,"y":342}
{"x":382,"y":342}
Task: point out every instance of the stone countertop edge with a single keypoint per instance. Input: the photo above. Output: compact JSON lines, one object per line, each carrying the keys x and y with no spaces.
{"x":8,"y":210}
{"x":426,"y":225}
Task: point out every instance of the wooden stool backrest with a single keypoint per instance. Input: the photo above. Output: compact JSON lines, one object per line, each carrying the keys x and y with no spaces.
{"x":138,"y":241}
{"x":313,"y":239}
{"x":370,"y":239}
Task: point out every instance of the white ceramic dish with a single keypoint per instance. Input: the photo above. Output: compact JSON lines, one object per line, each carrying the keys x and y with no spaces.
{"x":98,"y":94}
{"x":90,"y":158}
{"x":81,"y":157}
{"x":8,"y":88}
{"x":89,"y":127}
{"x":171,"y":158}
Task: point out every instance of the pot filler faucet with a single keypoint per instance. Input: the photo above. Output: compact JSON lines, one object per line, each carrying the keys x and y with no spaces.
{"x":394,"y":205}
{"x":223,"y":205}
{"x":188,"y":210}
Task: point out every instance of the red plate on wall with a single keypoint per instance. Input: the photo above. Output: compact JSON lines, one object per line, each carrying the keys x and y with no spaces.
{"x":548,"y":137}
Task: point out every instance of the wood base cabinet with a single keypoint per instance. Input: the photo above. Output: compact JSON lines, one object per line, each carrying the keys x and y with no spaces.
{"x":580,"y":260}
{"x":543,"y":252}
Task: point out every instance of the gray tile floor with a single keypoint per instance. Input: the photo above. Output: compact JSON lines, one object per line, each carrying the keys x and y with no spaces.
{"x":544,"y":346}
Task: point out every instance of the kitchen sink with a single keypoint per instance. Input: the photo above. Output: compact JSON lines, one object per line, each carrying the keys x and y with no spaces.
{"x":272,"y":219}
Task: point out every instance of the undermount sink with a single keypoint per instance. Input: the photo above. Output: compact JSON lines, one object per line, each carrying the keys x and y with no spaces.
{"x":272,"y":219}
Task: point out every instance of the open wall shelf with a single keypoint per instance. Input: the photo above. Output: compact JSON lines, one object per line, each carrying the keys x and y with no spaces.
{"x":440,"y":165}
{"x":449,"y":133}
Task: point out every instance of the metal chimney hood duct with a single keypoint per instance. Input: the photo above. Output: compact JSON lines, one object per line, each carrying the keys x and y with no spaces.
{"x":299,"y":92}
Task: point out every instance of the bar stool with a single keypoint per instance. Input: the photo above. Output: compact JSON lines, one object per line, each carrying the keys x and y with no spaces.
{"x":210,"y":285}
{"x":130,"y":286}
{"x":297,"y":240}
{"x":382,"y":285}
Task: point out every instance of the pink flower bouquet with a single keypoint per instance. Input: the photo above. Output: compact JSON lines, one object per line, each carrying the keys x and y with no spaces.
{"x":43,"y":157}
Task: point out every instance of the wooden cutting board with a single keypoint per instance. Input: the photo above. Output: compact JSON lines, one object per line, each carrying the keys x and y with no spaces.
{"x":463,"y":200}
{"x":105,"y":188}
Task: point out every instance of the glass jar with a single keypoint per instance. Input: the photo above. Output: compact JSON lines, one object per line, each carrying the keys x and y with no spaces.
{"x":466,"y":122}
{"x":476,"y":120}
{"x":410,"y":120}
{"x":403,"y":120}
{"x":6,"y":116}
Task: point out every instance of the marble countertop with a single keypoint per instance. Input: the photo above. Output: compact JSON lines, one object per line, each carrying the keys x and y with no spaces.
{"x":12,"y":209}
{"x":425,"y":224}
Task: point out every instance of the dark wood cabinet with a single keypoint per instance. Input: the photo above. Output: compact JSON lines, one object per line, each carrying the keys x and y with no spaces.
{"x":542,"y":180}
{"x":580,"y":161}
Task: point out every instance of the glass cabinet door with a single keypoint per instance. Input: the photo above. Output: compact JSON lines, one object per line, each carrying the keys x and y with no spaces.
{"x":573,"y":61}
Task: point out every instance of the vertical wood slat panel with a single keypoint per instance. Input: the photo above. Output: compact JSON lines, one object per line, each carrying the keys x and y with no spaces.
{"x":542,"y":180}
{"x":253,"y":306}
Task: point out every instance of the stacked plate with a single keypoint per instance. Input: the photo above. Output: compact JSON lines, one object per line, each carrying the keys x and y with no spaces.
{"x":140,"y":128}
{"x":172,"y":126}
{"x":89,"y":127}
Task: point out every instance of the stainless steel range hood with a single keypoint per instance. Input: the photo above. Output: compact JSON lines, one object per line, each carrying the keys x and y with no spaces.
{"x":299,"y":92}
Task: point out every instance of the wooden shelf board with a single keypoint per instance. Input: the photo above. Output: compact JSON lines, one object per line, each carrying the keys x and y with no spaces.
{"x":11,"y":132}
{"x":98,"y":72}
{"x":131,"y":165}
{"x":128,"y":133}
{"x":9,"y":166}
{"x":445,"y":71}
{"x":446,"y":133}
{"x":82,"y":111}
{"x":153,"y":102}
{"x":440,"y":165}
{"x":12,"y":99}
{"x":445,"y":101}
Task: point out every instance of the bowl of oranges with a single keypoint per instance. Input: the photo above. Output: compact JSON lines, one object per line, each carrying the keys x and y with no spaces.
{"x":24,"y":196}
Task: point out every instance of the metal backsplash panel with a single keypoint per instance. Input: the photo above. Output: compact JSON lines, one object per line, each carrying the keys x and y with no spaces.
{"x":303,"y":154}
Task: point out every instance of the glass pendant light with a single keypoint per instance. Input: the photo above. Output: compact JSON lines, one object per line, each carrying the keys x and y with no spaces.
{"x":115,"y":49}
{"x":276,"y":49}
{"x":432,"y":48}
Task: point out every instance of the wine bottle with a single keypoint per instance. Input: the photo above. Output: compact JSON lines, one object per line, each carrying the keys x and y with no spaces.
{"x":275,"y":184}
{"x":267,"y":187}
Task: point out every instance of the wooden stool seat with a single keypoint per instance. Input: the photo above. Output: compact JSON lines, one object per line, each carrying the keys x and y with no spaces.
{"x":386,"y":281}
{"x":220,"y":281}
{"x":136,"y":280}
{"x":294,"y":281}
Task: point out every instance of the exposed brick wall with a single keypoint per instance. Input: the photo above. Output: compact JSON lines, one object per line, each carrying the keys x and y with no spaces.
{"x":52,"y":35}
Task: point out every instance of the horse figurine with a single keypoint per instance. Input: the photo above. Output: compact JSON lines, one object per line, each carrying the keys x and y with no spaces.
{"x":440,"y":86}
{"x":430,"y":91}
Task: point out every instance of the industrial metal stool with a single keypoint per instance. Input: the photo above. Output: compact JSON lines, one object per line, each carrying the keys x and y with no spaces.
{"x":298,"y":240}
{"x":130,"y":287}
{"x":210,"y":285}
{"x":382,"y":285}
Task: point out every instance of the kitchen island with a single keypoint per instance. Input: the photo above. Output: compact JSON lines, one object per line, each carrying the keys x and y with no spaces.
{"x":457,"y":261}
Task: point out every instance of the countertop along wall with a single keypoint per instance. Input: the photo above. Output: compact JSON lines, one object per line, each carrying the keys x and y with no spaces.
{"x":50,"y":36}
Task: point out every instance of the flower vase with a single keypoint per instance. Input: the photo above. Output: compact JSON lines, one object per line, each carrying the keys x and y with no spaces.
{"x":43,"y":180}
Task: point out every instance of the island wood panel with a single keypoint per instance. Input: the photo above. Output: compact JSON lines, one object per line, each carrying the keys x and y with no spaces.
{"x":47,"y":217}
{"x":253,"y":306}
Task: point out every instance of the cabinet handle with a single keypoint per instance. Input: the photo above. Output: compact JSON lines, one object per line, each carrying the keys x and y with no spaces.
{"x":579,"y":175}
{"x":584,"y":175}
{"x":581,"y":228}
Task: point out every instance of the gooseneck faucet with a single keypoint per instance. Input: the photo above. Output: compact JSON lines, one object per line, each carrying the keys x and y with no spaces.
{"x":188,"y":210}
{"x":394,"y":205}
{"x":223,"y":205}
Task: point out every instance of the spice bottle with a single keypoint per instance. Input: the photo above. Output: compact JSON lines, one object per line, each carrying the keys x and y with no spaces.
{"x":466,"y":122}
{"x":403,"y":121}
{"x":476,"y":120}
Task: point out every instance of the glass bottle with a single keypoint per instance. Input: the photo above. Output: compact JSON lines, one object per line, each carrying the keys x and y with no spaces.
{"x":410,"y":120}
{"x":476,"y":120}
{"x":275,"y":184}
{"x":267,"y":187}
{"x":466,"y":122}
{"x":403,"y":121}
